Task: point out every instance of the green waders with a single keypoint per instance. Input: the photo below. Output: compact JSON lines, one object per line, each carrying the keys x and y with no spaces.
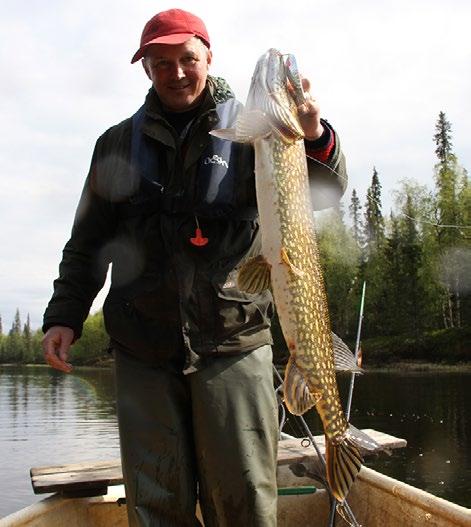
{"x":210,"y":435}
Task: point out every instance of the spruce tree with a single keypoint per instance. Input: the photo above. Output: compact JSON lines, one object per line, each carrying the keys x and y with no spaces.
{"x":411,"y":265}
{"x":442,"y":139}
{"x":27,"y":341}
{"x":355,"y":211}
{"x":13,"y":345}
{"x":373,"y":265}
{"x":450,"y":213}
{"x":16,"y":324}
{"x":374,"y":222}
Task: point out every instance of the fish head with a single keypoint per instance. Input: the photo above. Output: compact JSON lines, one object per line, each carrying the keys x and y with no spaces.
{"x":271,"y":107}
{"x":271,"y":98}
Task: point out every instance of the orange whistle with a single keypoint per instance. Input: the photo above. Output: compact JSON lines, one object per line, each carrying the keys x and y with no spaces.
{"x":198,"y":240}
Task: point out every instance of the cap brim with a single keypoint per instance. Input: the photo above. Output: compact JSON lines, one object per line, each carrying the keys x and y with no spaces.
{"x":178,"y":38}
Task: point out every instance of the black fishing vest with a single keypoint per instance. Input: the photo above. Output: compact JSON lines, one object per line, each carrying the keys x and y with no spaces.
{"x":223,"y":170}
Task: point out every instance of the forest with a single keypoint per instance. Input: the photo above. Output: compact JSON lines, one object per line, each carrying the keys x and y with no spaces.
{"x":415,"y":262}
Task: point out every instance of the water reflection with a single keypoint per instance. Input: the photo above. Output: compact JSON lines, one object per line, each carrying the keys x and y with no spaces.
{"x":430,"y":411}
{"x":47,"y":417}
{"x":50,"y":418}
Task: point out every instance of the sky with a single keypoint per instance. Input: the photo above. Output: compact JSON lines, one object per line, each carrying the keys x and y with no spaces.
{"x":382,"y":71}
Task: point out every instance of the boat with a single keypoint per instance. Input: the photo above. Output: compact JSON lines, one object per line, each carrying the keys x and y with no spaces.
{"x":376,"y":500}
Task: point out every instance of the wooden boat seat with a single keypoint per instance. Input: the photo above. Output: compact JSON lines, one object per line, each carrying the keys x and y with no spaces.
{"x":93,"y":478}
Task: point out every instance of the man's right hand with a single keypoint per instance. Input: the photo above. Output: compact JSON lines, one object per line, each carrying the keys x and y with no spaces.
{"x":56,"y":344}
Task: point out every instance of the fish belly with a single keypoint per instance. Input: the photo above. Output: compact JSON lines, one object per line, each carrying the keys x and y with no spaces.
{"x":271,"y":232}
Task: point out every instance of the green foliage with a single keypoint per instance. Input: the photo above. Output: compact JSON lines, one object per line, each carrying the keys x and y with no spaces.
{"x":443,"y":346}
{"x":340,"y":259}
{"x":93,"y":345}
{"x":24,"y":345}
{"x":453,"y":243}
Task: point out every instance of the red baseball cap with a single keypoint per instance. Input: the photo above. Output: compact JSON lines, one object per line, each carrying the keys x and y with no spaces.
{"x":174,"y":26}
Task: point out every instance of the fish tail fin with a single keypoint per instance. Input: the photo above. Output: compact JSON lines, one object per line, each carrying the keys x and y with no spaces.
{"x":343,"y":462}
{"x":344,"y":459}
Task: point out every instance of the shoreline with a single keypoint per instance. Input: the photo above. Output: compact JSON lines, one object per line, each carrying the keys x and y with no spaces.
{"x":419,"y":366}
{"x":412,"y":365}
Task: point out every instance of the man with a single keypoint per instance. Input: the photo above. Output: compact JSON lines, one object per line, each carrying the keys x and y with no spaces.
{"x":174,"y":210}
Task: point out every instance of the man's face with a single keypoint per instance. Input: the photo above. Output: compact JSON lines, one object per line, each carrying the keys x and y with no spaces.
{"x":178,"y":72}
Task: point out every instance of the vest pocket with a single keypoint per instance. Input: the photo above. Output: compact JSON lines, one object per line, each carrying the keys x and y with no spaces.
{"x":142,"y":335}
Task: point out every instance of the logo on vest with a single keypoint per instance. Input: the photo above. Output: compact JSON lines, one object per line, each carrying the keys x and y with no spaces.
{"x":216,"y":160}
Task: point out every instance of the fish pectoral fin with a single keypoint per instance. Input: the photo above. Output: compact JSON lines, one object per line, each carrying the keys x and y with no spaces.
{"x":228,"y":134}
{"x":344,"y":359}
{"x":286,"y":260}
{"x":250,"y":125}
{"x":297,"y":395}
{"x":255,"y":275}
{"x":343,"y":462}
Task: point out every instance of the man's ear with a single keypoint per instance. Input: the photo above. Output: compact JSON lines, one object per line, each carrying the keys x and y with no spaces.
{"x":209,"y":57}
{"x":146,"y":67}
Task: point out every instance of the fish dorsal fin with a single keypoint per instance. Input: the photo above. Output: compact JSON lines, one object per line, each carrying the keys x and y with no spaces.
{"x":297,"y":395}
{"x":343,"y":358}
{"x":254,"y":275}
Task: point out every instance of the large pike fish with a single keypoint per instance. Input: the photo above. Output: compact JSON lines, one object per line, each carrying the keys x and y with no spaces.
{"x":290,"y":259}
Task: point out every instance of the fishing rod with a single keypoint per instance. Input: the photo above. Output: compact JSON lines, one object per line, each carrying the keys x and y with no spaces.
{"x":357,"y":351}
{"x":352,"y":379}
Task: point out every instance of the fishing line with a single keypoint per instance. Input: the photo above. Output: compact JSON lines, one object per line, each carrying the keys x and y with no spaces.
{"x":415,"y":220}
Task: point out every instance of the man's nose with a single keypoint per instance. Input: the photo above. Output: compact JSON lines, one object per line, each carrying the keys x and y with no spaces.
{"x":178,"y":71}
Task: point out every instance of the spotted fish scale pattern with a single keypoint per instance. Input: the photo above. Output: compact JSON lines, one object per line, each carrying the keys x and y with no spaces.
{"x":309,"y":313}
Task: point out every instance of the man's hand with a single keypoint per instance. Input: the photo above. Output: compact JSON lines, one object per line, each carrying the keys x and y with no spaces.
{"x":56,"y":344}
{"x":310,"y":115}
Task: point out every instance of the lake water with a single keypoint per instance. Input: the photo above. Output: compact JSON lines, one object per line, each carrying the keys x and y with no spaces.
{"x":47,"y":418}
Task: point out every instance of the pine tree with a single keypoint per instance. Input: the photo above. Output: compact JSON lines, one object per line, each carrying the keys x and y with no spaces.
{"x":411,"y":264}
{"x":418,"y":281}
{"x":374,"y":222}
{"x":450,"y":212}
{"x":27,"y":341}
{"x":16,"y":324}
{"x":355,"y":211}
{"x":442,"y":139}
{"x":13,"y":344}
{"x":373,"y":266}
